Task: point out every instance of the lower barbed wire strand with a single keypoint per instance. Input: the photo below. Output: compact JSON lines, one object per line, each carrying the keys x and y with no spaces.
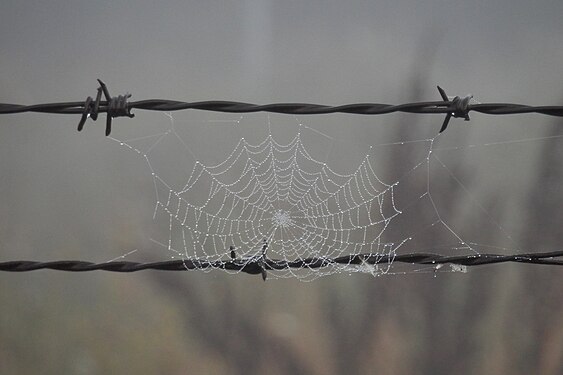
{"x":254,"y":266}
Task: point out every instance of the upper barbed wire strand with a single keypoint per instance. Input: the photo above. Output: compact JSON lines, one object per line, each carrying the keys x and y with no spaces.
{"x":119,"y":107}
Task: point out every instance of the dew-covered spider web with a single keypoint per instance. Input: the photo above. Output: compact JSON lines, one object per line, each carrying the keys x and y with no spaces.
{"x":277,"y":187}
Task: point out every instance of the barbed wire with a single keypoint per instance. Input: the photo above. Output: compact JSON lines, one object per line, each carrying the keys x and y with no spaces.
{"x":260,"y":264}
{"x":458,"y":107}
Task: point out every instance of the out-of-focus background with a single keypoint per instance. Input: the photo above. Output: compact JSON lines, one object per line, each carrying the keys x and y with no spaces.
{"x":69,"y":195}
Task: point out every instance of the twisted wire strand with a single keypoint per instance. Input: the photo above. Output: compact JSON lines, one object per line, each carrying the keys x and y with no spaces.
{"x":259,"y":265}
{"x":119,"y":106}
{"x":436,"y":107}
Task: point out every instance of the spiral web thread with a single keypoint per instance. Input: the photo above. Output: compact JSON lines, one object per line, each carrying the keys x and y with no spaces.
{"x":275,"y":200}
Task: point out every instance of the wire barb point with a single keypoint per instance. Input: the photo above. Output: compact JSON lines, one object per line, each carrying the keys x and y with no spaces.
{"x":458,"y":107}
{"x":262,"y":260}
{"x":114,"y":107}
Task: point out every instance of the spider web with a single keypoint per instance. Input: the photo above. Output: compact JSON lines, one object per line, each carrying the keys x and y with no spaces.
{"x":277,"y":197}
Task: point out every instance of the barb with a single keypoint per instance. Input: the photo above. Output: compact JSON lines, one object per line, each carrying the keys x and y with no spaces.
{"x":459,"y":107}
{"x":259,"y":265}
{"x":114,"y":107}
{"x":119,"y":107}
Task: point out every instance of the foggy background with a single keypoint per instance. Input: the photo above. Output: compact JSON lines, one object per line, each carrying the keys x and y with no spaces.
{"x":70,"y":195}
